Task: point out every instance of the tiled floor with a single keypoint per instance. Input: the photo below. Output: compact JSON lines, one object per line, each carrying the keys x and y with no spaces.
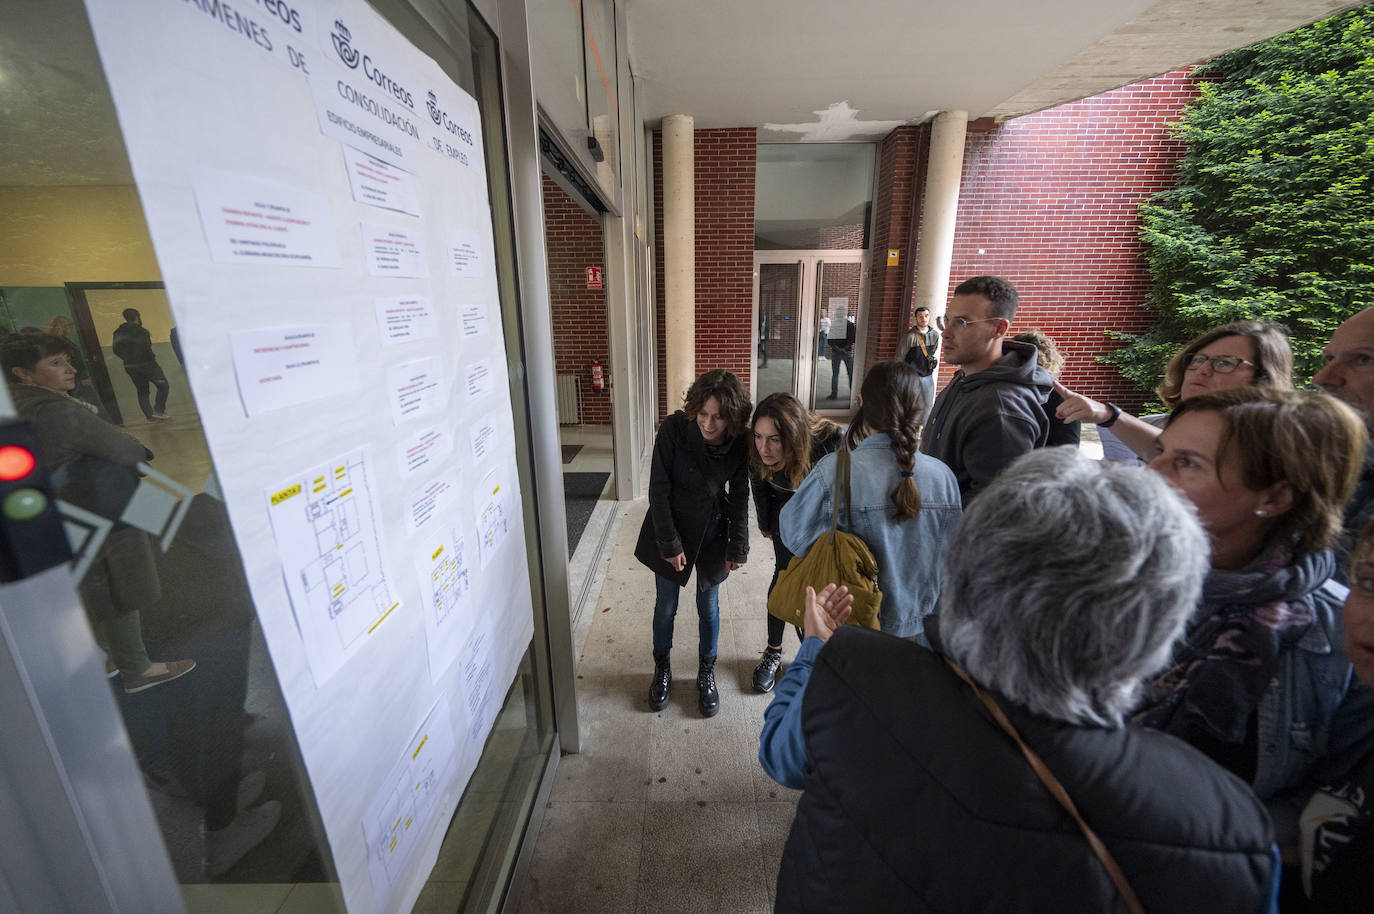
{"x":664,"y":812}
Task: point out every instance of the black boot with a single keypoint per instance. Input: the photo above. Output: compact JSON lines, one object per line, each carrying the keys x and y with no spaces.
{"x":658,"y":688}
{"x":708,"y":699}
{"x":766,"y":672}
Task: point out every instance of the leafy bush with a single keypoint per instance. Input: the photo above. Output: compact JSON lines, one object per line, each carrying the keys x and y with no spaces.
{"x":1272,"y":217}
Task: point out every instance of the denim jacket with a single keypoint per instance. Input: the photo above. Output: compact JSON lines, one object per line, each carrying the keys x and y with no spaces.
{"x":910,"y":555}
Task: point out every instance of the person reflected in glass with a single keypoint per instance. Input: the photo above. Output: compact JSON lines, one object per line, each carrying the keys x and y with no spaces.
{"x":842,"y":353}
{"x":93,"y":465}
{"x":698,"y":519}
{"x":134,"y":346}
{"x":824,"y":335}
{"x":787,"y":440}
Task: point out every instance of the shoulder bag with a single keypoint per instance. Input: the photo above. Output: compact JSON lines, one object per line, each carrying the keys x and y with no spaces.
{"x":836,"y":557}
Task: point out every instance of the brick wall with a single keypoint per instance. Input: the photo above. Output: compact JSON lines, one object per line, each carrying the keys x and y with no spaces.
{"x":724,"y":199}
{"x":1051,"y":201}
{"x":901,"y":170}
{"x":573,"y":240}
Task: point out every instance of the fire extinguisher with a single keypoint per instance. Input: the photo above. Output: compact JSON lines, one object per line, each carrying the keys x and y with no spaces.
{"x":598,"y":376}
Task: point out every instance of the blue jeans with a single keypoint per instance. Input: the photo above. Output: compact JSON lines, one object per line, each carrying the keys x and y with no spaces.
{"x":665,"y":609}
{"x":928,"y":385}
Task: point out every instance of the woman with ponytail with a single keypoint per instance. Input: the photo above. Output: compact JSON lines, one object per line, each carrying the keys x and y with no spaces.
{"x":904,"y":504}
{"x":786,"y":442}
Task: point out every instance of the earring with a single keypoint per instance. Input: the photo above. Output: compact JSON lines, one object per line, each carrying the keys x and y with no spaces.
{"x":1259,"y":512}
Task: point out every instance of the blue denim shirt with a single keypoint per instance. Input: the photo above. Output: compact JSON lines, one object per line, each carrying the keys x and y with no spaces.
{"x":910,"y":555}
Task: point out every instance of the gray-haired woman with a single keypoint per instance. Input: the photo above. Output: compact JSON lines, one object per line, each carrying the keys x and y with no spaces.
{"x":1064,"y":587}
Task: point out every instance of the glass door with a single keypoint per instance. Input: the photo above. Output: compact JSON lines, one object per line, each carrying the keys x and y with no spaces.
{"x":810,"y":326}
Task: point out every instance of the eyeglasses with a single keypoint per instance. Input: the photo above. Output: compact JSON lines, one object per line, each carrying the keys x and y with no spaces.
{"x":961,"y":323}
{"x":1221,"y":364}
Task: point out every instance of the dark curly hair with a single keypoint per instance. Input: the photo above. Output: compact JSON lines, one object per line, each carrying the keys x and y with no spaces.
{"x":728,"y":391}
{"x":894,"y":405}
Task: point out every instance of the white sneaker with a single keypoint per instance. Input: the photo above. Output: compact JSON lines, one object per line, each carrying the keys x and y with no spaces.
{"x":227,"y":846}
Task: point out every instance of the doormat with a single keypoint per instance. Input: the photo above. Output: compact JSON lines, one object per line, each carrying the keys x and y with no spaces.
{"x":570,"y":451}
{"x":581,"y":491}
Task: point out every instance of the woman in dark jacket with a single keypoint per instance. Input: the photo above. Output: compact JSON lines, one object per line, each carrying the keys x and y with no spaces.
{"x":698,"y":517}
{"x":787,"y":441}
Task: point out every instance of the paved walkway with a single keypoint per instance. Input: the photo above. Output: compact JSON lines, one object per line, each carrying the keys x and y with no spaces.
{"x":665,"y":812}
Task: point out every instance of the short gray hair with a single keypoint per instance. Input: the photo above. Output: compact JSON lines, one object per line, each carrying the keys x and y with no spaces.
{"x":1068,"y":581}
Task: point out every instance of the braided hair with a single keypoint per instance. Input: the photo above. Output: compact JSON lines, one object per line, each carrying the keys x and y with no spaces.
{"x":893,"y":403}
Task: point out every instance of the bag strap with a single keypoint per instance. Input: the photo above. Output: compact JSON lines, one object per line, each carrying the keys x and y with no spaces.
{"x":920,"y":341}
{"x":841,"y":486}
{"x":1056,"y":790}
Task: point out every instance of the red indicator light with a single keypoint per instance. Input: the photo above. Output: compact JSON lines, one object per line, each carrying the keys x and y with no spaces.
{"x":15,"y":462}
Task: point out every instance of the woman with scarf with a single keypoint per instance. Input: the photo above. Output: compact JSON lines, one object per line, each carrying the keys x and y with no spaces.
{"x":787,"y":441}
{"x":1259,"y":679}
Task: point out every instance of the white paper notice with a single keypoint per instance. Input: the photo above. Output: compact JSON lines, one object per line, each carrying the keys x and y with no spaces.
{"x":494,"y":513}
{"x":474,"y":319}
{"x":465,"y":255}
{"x":252,"y":220}
{"x":445,"y":590}
{"x":377,"y":183}
{"x":477,"y":688}
{"x":392,"y":251}
{"x":483,"y":437}
{"x":425,"y":448}
{"x":404,"y":319}
{"x":433,"y":500}
{"x":478,"y":379}
{"x":285,"y":366}
{"x":397,"y":815}
{"x":325,"y":524}
{"x":415,"y":389}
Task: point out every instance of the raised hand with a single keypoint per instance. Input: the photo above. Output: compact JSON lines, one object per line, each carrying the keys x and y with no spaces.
{"x":826,"y":611}
{"x":1078,"y":408}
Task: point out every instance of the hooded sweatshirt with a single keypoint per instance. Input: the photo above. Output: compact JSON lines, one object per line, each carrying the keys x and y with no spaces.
{"x":983,"y":421}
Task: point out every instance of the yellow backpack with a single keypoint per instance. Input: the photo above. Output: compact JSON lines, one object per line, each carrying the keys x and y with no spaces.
{"x":836,"y":557}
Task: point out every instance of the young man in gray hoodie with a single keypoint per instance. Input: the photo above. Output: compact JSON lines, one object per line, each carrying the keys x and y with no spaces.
{"x":993,"y":411}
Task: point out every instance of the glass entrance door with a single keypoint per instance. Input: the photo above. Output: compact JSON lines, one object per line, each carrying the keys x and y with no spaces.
{"x":809,"y":326}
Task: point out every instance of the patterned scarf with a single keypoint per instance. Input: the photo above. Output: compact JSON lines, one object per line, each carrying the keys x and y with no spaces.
{"x":1231,"y":649}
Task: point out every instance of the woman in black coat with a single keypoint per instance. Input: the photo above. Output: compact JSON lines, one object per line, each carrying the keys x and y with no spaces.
{"x":786,"y":443}
{"x":698,"y":517}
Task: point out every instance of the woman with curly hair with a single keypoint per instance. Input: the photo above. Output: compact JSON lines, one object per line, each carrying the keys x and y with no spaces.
{"x":787,"y":441}
{"x":902,"y":503}
{"x":1238,"y":354}
{"x":698,"y":518}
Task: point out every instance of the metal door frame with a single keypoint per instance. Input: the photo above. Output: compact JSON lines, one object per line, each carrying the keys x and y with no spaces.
{"x":807,"y":261}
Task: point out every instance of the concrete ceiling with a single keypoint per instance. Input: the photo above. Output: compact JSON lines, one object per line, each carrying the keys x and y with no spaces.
{"x":817,"y":70}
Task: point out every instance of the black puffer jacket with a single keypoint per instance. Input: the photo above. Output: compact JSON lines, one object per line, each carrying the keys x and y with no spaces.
{"x":698,"y":504}
{"x":983,"y":421}
{"x":916,"y":801}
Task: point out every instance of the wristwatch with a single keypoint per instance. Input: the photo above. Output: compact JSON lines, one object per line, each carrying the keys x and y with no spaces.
{"x":1116,"y":414}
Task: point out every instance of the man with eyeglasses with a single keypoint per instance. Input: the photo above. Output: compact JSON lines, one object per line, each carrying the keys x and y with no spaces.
{"x":1348,"y":375}
{"x":994,"y":409}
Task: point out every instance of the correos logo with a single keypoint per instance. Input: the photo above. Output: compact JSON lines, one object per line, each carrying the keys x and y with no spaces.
{"x":342,"y":43}
{"x":433,"y":105}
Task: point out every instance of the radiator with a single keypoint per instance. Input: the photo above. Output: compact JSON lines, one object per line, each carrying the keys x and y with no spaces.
{"x":568,"y":394}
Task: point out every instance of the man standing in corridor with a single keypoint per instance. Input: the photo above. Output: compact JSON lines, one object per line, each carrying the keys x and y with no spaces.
{"x":919,"y":347}
{"x":993,"y":411}
{"x":134,"y":346}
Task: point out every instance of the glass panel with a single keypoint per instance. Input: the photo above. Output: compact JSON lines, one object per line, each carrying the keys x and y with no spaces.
{"x":161,"y":577}
{"x":599,"y":25}
{"x":558,"y":60}
{"x":837,"y":305}
{"x":813,"y":196}
{"x":779,"y":310}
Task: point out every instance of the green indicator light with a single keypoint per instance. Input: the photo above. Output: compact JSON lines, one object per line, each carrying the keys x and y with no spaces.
{"x":24,"y":504}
